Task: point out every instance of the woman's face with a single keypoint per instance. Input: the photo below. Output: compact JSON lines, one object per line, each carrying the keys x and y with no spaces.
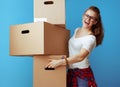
{"x":89,"y":19}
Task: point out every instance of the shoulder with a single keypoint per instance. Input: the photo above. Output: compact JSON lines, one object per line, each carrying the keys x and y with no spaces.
{"x":91,"y":39}
{"x":78,"y":28}
{"x":89,"y":43}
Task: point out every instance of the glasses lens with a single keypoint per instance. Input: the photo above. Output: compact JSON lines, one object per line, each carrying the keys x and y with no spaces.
{"x":90,"y":17}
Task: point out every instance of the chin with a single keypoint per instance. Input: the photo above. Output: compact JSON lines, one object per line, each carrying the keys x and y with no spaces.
{"x":87,"y":27}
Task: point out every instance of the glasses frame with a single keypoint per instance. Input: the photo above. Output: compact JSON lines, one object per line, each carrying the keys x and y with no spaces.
{"x":87,"y":16}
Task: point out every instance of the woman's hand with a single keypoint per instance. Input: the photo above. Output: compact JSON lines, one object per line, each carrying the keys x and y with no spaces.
{"x":54,"y":63}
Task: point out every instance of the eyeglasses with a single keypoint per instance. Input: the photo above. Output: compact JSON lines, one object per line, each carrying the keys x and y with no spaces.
{"x":93,"y":19}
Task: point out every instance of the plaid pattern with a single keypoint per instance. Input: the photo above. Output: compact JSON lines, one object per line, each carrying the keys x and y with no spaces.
{"x":86,"y":74}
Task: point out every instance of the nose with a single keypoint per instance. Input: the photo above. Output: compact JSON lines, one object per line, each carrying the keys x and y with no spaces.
{"x":88,"y":20}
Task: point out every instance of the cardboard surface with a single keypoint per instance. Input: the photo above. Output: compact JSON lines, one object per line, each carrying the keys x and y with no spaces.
{"x":38,"y":38}
{"x":48,"y":78}
{"x":52,"y":11}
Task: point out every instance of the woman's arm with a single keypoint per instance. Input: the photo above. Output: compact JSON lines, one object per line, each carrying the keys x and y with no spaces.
{"x":76,"y":58}
{"x":79,"y":57}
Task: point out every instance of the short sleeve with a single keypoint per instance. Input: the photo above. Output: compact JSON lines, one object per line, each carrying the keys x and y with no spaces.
{"x":89,"y":43}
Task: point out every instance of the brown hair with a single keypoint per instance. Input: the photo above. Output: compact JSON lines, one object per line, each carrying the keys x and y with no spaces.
{"x":97,"y":29}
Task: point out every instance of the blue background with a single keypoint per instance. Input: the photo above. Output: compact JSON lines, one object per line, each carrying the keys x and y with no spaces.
{"x":105,"y":59}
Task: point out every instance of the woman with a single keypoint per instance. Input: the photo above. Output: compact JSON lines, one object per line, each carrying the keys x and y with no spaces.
{"x":81,"y":44}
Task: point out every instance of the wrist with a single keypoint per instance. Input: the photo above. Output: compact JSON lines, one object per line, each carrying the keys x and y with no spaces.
{"x":65,"y":61}
{"x":62,"y":62}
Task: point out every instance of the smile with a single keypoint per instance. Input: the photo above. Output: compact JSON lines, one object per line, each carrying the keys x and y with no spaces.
{"x":86,"y":23}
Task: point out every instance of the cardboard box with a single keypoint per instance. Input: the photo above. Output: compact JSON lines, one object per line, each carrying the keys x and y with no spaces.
{"x":48,"y":78}
{"x":38,"y":38}
{"x":52,"y":11}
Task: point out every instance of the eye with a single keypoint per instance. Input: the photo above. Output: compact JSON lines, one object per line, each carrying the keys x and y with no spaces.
{"x":87,"y":15}
{"x":90,"y":17}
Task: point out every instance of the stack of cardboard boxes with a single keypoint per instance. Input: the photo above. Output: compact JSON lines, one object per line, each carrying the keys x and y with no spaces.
{"x":44,"y":39}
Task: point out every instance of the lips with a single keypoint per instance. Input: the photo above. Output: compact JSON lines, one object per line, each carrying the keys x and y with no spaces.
{"x":86,"y":23}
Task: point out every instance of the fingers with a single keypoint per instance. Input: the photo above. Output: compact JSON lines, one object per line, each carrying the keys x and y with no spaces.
{"x":51,"y":64}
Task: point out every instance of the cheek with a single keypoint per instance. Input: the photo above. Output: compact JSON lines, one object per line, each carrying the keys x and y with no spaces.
{"x":91,"y":24}
{"x":83,"y":20}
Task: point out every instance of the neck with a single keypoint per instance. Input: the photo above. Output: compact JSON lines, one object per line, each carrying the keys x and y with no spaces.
{"x":88,"y":30}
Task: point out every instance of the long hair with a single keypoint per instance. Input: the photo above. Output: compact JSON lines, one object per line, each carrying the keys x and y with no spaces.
{"x":97,"y":29}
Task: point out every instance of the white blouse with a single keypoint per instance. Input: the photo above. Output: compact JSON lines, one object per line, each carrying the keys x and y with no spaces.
{"x":87,"y":42}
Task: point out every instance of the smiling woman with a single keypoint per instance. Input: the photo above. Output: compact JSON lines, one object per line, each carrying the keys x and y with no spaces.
{"x":92,"y":18}
{"x":84,"y":40}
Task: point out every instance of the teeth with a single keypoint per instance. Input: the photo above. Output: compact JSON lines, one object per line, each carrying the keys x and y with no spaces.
{"x":87,"y":23}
